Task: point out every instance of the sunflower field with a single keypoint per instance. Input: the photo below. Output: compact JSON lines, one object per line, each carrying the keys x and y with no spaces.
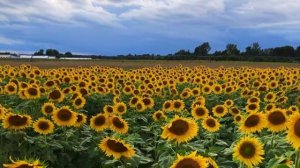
{"x":152,"y":117}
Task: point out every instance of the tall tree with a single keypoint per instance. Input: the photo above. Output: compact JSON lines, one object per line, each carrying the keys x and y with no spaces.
{"x":254,"y":49}
{"x":203,"y":49}
{"x":231,"y":49}
{"x":285,"y":51}
{"x":68,"y":54}
{"x":40,"y":52}
{"x":298,"y":51}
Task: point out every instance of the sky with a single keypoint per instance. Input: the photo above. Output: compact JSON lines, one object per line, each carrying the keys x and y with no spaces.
{"x":113,"y":27}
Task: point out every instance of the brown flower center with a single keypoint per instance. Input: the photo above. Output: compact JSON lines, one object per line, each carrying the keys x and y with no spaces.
{"x":252,"y":121}
{"x":179,"y":127}
{"x":247,"y":150}
{"x":188,"y":163}
{"x":55,"y":94}
{"x":64,"y":114}
{"x":32,"y":91}
{"x":220,"y":110}
{"x":116,"y":146}
{"x":117,"y":122}
{"x":17,"y":120}
{"x":297,"y":128}
{"x":210,"y":122}
{"x":100,"y":120}
{"x":200,"y":111}
{"x":276,"y":118}
{"x":177,"y":105}
{"x":43,"y":125}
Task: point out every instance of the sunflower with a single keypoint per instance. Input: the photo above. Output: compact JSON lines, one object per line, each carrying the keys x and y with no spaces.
{"x":56,"y":95}
{"x":237,"y":118}
{"x":200,"y":112}
{"x":234,"y":111}
{"x":211,"y":163}
{"x":43,"y":126}
{"x":276,"y":120}
{"x":10,"y":88}
{"x":24,"y":164}
{"x":159,"y":115}
{"x":120,"y":108}
{"x":217,"y":89}
{"x":140,"y":106}
{"x":16,"y":121}
{"x":219,"y":110}
{"x":211,"y":124}
{"x":254,"y":122}
{"x":167,"y":106}
{"x":190,"y":161}
{"x":2,"y":112}
{"x":252,"y":107}
{"x":48,"y":108}
{"x":99,"y":122}
{"x":293,"y":133}
{"x":228,"y":103}
{"x":206,"y":89}
{"x":79,"y":102}
{"x":178,"y":105}
{"x":32,"y":92}
{"x":118,"y":125}
{"x":148,"y":102}
{"x":108,"y":109}
{"x":249,"y":151}
{"x":180,"y":129}
{"x":270,"y":97}
{"x":269,"y":107}
{"x":293,"y":108}
{"x":81,"y":119}
{"x":116,"y":148}
{"x":64,"y":116}
{"x":133,"y":101}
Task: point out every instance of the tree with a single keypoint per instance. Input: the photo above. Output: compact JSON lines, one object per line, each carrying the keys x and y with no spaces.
{"x":203,"y":49}
{"x":40,"y":52}
{"x":254,"y":49}
{"x":231,"y":49}
{"x":297,"y":54}
{"x":68,"y":54}
{"x":182,"y":52}
{"x":285,"y":51}
{"x":52,"y":52}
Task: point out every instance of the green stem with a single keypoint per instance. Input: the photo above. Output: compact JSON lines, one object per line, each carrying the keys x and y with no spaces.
{"x":297,"y":159}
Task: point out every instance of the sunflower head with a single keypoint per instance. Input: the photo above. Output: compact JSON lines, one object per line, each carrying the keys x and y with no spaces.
{"x":159,"y":115}
{"x":220,"y":110}
{"x":116,"y":148}
{"x":276,"y":120}
{"x":293,"y":135}
{"x":64,"y":116}
{"x":120,"y":108}
{"x":81,"y":119}
{"x":48,"y":108}
{"x":211,"y":124}
{"x":200,"y":112}
{"x":99,"y":122}
{"x":43,"y":126}
{"x":16,"y":121}
{"x":180,"y":130}
{"x":249,"y":151}
{"x":254,"y":122}
{"x":190,"y":161}
{"x":118,"y":124}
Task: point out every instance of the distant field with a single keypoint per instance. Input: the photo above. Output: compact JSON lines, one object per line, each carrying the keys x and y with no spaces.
{"x":131,"y":64}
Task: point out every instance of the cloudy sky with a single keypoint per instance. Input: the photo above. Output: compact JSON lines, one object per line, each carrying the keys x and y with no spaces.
{"x":113,"y":27}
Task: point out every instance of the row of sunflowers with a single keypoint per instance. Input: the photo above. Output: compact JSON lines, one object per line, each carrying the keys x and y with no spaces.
{"x":158,"y":117}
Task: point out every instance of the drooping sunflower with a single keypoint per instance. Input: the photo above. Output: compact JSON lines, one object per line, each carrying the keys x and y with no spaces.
{"x":211,"y":124}
{"x":178,"y":105}
{"x":64,"y":116}
{"x":118,"y":125}
{"x":79,"y":102}
{"x":43,"y":126}
{"x":48,"y":108}
{"x":190,"y":161}
{"x":120,"y":108}
{"x":99,"y":122}
{"x":293,"y":133}
{"x":116,"y":148}
{"x":254,"y":122}
{"x":159,"y":115}
{"x":180,"y":130}
{"x":16,"y":121}
{"x":219,"y":110}
{"x":167,"y":106}
{"x":276,"y":120}
{"x":56,"y":95}
{"x":200,"y":112}
{"x":81,"y":119}
{"x":249,"y":151}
